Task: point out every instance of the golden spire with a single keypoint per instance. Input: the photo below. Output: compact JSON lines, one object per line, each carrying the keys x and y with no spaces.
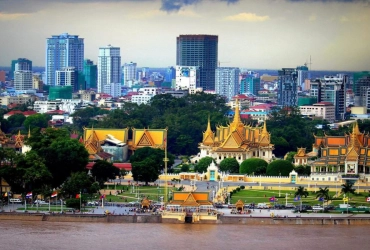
{"x":209,"y":125}
{"x":237,"y":119}
{"x":355,"y":143}
{"x":264,"y":129}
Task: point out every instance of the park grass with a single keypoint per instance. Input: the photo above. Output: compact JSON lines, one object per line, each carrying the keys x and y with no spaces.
{"x":137,"y":194}
{"x":262,"y":196}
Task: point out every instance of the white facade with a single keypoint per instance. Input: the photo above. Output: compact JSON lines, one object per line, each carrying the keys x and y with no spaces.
{"x":113,"y":89}
{"x":109,"y":66}
{"x":187,"y":77}
{"x":129,"y":73}
{"x":141,"y":99}
{"x":324,"y":110}
{"x":67,"y":105}
{"x":227,"y":82}
{"x":65,"y":77}
{"x":22,"y":80}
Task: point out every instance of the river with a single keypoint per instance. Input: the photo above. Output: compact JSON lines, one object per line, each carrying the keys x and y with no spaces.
{"x":27,"y":235}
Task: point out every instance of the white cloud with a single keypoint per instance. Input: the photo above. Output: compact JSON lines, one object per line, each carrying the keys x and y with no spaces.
{"x":247,"y":17}
{"x":12,"y":16}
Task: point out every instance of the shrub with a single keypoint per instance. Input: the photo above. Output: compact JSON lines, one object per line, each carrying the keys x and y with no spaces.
{"x":279,"y":167}
{"x":253,"y":165}
{"x":242,"y":187}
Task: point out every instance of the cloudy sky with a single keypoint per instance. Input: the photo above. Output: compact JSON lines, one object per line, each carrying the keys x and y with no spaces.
{"x":258,"y":34}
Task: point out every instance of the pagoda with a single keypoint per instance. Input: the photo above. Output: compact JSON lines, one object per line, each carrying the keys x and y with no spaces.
{"x":347,"y":154}
{"x":236,"y":140}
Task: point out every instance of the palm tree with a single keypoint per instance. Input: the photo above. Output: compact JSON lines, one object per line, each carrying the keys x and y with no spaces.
{"x":300,"y":193}
{"x":323,"y":193}
{"x":347,"y":188}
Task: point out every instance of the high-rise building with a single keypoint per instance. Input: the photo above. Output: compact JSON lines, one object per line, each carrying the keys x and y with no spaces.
{"x":109,"y":66}
{"x":91,"y":74}
{"x":63,"y":51}
{"x":20,"y":64}
{"x":23,"y":80}
{"x":200,"y":51}
{"x":302,"y":75}
{"x":361,"y":87}
{"x":331,"y":89}
{"x":250,"y":83}
{"x":170,"y":74}
{"x":67,"y":77}
{"x":227,"y":82}
{"x":187,"y":78}
{"x":287,"y":87}
{"x":129,"y":73}
{"x":37,"y":82}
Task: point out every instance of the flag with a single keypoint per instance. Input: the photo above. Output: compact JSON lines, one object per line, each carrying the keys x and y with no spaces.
{"x":272,"y":199}
{"x":321,"y":199}
{"x":29,"y":195}
{"x":77,"y":196}
{"x":102,"y":197}
{"x":297,"y":198}
{"x":368,"y":199}
{"x":54,"y":194}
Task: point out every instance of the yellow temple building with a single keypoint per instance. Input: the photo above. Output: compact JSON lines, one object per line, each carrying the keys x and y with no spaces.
{"x":236,"y":140}
{"x":114,"y":144}
{"x":347,"y":154}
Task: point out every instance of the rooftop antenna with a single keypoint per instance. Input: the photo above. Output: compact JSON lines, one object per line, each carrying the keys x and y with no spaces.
{"x":310,"y":64}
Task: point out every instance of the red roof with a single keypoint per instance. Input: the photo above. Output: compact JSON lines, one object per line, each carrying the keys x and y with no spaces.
{"x":125,"y":166}
{"x":263,"y":106}
{"x":25,"y":113}
{"x":29,"y":112}
{"x":56,"y":112}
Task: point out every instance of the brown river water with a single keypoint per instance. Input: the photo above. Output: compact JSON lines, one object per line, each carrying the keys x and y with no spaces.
{"x":24,"y":235}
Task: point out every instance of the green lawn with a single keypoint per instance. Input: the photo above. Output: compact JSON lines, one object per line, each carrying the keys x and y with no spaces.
{"x":136,"y":194}
{"x":262,"y":196}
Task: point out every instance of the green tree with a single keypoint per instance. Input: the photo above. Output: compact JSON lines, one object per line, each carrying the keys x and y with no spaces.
{"x":203,"y":164}
{"x":323,"y":194}
{"x":155,"y":154}
{"x":146,"y":170}
{"x":78,"y":182}
{"x":28,"y":173}
{"x":254,"y":166}
{"x":230,"y":165}
{"x":290,"y":156}
{"x":103,"y":170}
{"x":279,"y":167}
{"x":348,"y":189}
{"x":185,"y":167}
{"x":62,"y":155}
{"x":36,"y":121}
{"x":301,"y":192}
{"x":16,"y":120}
{"x":303,"y":170}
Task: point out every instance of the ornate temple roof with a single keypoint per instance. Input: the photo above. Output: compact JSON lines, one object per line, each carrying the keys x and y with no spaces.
{"x":236,"y":136}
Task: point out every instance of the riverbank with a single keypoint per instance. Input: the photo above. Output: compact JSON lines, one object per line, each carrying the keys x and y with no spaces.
{"x":222,"y":219}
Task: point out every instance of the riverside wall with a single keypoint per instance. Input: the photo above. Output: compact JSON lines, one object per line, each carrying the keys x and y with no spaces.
{"x":240,"y":220}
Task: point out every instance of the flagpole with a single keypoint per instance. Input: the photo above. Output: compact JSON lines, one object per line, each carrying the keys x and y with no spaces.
{"x":80,"y":204}
{"x":165,"y":169}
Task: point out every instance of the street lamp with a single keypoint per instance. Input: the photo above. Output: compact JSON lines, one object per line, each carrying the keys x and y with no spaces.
{"x":279,"y":182}
{"x":158,"y":193}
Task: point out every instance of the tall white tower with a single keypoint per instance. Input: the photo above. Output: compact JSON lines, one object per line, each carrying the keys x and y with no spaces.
{"x":129,"y":73}
{"x":109,"y":66}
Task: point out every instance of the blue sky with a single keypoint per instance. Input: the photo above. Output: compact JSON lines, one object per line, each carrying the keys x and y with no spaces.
{"x":265,"y":34}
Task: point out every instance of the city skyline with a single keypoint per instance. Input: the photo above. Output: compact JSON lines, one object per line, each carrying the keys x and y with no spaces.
{"x":265,"y":34}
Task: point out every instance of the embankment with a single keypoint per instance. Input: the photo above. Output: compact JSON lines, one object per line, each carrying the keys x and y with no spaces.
{"x":241,"y":220}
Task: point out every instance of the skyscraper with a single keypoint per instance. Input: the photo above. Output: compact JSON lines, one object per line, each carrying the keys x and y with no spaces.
{"x":23,"y":80}
{"x":129,"y":73}
{"x":66,"y":77}
{"x":91,"y":74}
{"x":227,"y":82}
{"x":63,"y":51}
{"x":20,"y":64}
{"x":287,"y":87}
{"x":200,"y":51}
{"x":109,"y":66}
{"x":331,"y":89}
